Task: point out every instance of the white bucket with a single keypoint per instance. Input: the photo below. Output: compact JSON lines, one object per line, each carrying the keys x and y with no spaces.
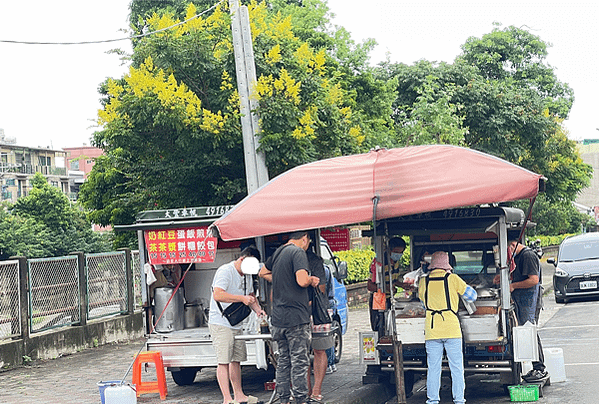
{"x":554,"y":362}
{"x":121,"y":394}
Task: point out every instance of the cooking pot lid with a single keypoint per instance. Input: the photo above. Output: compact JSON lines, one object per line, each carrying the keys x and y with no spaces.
{"x":250,"y":266}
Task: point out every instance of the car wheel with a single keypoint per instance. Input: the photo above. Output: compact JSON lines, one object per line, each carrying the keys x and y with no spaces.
{"x":185,"y":376}
{"x":338,"y":341}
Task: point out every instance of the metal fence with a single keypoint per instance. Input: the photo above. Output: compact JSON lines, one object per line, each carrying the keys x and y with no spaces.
{"x":10,"y":305}
{"x":63,"y":291}
{"x":106,"y":284}
{"x":54,"y":295}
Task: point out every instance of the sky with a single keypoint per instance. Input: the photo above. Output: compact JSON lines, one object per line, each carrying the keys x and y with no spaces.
{"x":49,"y":97}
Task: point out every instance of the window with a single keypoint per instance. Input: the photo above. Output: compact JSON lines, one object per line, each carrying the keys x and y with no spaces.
{"x":10,"y":182}
{"x":74,"y":164}
{"x":44,"y":161}
{"x":579,"y":251}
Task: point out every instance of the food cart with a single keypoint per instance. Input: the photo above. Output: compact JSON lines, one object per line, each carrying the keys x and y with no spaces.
{"x":434,"y":194}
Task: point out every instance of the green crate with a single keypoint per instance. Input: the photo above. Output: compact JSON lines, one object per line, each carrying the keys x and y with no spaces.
{"x":520,"y":393}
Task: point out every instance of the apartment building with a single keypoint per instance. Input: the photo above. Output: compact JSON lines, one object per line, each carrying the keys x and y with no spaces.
{"x":18,"y":164}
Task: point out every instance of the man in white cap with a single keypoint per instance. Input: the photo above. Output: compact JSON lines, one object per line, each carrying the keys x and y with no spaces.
{"x":440,"y":292}
{"x":231,"y":285}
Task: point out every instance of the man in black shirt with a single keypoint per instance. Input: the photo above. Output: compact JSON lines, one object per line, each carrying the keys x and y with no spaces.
{"x":526,"y":290}
{"x":287,"y":269}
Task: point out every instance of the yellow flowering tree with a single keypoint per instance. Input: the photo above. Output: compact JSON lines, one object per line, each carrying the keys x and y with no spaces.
{"x":171,"y":126}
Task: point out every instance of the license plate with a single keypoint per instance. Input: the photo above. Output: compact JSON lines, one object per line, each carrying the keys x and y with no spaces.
{"x":588,"y":285}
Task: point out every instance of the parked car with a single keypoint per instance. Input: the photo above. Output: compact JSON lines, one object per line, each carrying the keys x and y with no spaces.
{"x":576,"y":267}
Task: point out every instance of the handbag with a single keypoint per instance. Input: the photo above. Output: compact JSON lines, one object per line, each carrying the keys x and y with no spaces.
{"x":379,"y":300}
{"x":236,"y":312}
{"x":320,"y":306}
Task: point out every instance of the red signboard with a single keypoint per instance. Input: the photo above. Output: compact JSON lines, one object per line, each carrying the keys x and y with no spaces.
{"x":337,"y":238}
{"x":176,"y":246}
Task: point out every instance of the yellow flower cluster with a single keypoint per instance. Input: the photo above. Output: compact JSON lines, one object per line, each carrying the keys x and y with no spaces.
{"x":290,"y":86}
{"x":306,"y":127}
{"x":334,"y":93}
{"x":110,"y":113}
{"x":212,"y":122}
{"x":266,"y":86}
{"x":356,"y":132}
{"x":226,"y":81}
{"x":274,"y":55}
{"x":149,"y":80}
{"x":157,"y":22}
{"x":278,"y":29}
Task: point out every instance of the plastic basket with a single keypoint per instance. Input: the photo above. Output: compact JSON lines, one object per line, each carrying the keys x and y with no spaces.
{"x":521,"y":393}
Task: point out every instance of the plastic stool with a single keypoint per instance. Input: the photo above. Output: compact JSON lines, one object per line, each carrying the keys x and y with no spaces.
{"x":158,"y":386}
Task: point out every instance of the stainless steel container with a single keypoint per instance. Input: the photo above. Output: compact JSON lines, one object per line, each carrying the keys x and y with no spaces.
{"x":193,"y":315}
{"x":173,"y":318}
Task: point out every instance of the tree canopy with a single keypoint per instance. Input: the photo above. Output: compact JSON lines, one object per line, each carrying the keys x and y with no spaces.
{"x":171,"y":131}
{"x":171,"y":126}
{"x":45,"y":224}
{"x":509,"y":104}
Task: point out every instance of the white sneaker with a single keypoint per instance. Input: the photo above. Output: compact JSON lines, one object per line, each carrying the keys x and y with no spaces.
{"x":329,"y":370}
{"x":334,"y":367}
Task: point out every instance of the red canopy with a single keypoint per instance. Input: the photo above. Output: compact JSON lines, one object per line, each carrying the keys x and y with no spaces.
{"x":340,"y":191}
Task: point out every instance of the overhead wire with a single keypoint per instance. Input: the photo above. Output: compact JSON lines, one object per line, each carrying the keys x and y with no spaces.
{"x":113,"y":40}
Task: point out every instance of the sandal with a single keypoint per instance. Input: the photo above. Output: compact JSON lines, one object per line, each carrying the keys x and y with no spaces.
{"x":316,"y":398}
{"x":252,"y":400}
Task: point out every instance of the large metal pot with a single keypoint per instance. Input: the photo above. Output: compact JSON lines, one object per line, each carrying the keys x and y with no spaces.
{"x":173,"y":318}
{"x":194,"y":313}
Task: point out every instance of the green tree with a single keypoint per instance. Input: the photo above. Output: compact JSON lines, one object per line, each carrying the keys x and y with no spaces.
{"x":514,"y":54}
{"x":171,"y":126}
{"x":506,"y":112}
{"x":44,"y":223}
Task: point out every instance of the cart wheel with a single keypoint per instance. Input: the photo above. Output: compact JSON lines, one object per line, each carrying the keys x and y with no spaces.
{"x":185,"y":376}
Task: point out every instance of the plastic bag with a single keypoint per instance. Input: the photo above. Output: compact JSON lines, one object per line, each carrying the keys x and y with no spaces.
{"x":412,"y":277}
{"x":320,"y":308}
{"x":150,"y":278}
{"x":379,"y":301}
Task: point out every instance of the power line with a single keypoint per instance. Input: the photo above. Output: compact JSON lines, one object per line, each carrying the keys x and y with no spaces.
{"x":112,"y":40}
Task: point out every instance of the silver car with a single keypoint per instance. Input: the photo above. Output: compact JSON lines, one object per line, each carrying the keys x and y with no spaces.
{"x":576,"y":267}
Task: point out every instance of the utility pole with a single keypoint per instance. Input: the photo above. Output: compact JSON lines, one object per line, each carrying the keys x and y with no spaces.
{"x":245,"y":68}
{"x":256,"y":173}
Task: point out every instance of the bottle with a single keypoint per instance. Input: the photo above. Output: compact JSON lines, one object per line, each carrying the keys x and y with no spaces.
{"x":264,"y":327}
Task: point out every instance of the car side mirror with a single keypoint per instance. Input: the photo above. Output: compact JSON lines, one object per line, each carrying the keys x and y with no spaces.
{"x":342,"y":270}
{"x":551,"y":261}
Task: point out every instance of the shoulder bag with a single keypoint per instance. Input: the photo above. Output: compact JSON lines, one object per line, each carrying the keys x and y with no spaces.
{"x":236,"y":312}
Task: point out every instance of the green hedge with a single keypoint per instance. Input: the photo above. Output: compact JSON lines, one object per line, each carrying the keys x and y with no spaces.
{"x":358,"y":263}
{"x":552,"y":240}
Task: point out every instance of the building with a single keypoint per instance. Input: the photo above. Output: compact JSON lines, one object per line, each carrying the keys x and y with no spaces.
{"x":589,"y":197}
{"x":18,"y":164}
{"x":79,"y":162}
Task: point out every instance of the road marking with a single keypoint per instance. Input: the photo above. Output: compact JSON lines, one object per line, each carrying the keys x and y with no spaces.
{"x":569,"y":326}
{"x":582,"y":364}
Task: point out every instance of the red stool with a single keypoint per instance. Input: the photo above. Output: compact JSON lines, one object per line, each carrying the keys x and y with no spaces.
{"x":158,"y":386}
